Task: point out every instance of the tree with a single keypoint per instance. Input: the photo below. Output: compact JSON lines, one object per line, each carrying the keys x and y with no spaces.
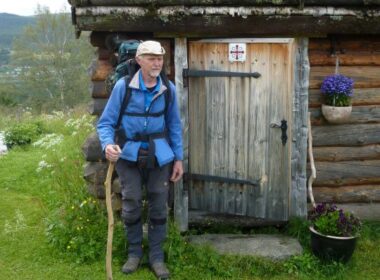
{"x":52,"y":63}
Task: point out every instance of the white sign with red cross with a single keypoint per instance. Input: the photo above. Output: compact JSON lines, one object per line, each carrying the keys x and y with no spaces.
{"x":236,"y":52}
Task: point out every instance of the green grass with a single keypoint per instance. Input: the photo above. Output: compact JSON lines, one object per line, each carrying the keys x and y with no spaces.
{"x":29,"y":197}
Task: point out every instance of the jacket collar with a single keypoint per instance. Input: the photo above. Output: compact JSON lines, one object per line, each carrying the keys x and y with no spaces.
{"x":135,"y":83}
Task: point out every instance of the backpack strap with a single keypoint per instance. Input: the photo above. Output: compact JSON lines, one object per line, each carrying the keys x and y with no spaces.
{"x":127,"y":97}
{"x":168,"y":93}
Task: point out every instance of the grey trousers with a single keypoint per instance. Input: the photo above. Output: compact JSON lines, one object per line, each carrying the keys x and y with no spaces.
{"x":156,"y":181}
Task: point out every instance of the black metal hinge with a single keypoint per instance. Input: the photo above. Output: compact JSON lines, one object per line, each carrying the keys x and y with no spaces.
{"x":219,"y":179}
{"x":213,"y":73}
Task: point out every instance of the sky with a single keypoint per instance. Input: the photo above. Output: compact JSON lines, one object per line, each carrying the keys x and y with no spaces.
{"x":28,"y":7}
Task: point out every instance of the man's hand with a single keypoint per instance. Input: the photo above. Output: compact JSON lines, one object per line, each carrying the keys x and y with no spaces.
{"x":113,"y":152}
{"x":177,"y":171}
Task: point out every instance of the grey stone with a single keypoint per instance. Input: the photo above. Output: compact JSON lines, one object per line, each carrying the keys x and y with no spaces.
{"x":275,"y":247}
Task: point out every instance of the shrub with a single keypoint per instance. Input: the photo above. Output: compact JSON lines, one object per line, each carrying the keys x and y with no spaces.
{"x":23,"y":133}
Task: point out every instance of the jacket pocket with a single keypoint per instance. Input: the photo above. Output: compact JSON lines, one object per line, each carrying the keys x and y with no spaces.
{"x":164,"y":153}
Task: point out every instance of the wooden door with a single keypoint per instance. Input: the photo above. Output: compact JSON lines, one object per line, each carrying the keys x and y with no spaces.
{"x":232,"y":129}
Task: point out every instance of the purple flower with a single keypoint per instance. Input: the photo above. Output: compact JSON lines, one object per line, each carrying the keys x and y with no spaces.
{"x":337,"y":85}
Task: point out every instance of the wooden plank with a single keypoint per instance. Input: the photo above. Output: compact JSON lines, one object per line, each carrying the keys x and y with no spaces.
{"x":346,"y":135}
{"x":180,"y":194}
{"x":100,"y":69}
{"x":279,"y":104}
{"x":343,"y":173}
{"x":359,"y":115}
{"x":324,"y":58}
{"x":297,"y":195}
{"x":368,"y":152}
{"x":364,"y":76}
{"x":197,"y":127}
{"x":348,"y":194}
{"x":92,"y":149}
{"x":362,"y":96}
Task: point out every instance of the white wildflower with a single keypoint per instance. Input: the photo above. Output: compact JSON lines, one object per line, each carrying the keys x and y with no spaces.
{"x":49,"y":140}
{"x":43,"y":165}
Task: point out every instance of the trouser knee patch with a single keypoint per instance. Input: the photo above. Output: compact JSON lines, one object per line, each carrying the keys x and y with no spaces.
{"x":130,"y":222}
{"x":158,"y":222}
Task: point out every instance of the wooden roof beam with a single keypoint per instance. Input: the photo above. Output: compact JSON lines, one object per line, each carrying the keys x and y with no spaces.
{"x":237,"y":21}
{"x":158,"y":3}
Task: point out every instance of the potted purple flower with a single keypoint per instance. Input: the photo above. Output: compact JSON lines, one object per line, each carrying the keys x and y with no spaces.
{"x":334,"y":232}
{"x":337,"y":90}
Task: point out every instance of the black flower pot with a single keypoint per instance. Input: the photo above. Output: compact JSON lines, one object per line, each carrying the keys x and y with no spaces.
{"x":332,"y":248}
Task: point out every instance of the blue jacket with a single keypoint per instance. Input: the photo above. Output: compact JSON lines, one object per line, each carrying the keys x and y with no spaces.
{"x":165,"y":150}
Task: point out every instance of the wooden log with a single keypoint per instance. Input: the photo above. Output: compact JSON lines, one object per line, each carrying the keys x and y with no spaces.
{"x":362,"y":96}
{"x":319,"y":58}
{"x":369,"y":152}
{"x":98,"y":89}
{"x":92,"y":149}
{"x":96,"y":172}
{"x":364,"y":76}
{"x":346,"y":135}
{"x":183,"y":21}
{"x":81,"y":3}
{"x":365,"y":211}
{"x":104,"y":54}
{"x":334,"y":174}
{"x":348,"y":194}
{"x":346,"y":44}
{"x":97,"y":106}
{"x":100,"y":69}
{"x":360,"y":114}
{"x":98,"y":38}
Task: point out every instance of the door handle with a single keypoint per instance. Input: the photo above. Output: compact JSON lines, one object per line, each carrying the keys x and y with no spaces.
{"x":284,"y":128}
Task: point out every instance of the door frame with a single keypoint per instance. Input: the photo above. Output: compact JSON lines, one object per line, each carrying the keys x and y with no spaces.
{"x":297,"y":193}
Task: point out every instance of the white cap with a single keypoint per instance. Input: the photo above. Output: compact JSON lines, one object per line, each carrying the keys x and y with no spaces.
{"x":150,"y":47}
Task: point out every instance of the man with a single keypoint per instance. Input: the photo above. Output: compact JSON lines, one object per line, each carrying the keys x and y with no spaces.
{"x":154,"y":142}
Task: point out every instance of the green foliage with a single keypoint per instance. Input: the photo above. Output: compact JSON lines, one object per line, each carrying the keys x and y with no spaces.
{"x":37,"y":216}
{"x":327,"y":224}
{"x":78,"y":230}
{"x":338,"y":100}
{"x":328,"y":219}
{"x":51,"y":63}
{"x":23,"y":133}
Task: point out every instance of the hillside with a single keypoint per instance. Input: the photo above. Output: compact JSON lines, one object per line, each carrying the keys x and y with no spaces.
{"x":10,"y":26}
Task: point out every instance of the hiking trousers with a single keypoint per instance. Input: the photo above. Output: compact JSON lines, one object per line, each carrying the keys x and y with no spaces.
{"x":156,"y":181}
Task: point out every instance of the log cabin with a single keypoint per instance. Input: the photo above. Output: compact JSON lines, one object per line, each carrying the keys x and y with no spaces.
{"x":247,"y":74}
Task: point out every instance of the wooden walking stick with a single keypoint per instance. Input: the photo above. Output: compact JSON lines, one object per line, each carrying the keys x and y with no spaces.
{"x":107,"y":185}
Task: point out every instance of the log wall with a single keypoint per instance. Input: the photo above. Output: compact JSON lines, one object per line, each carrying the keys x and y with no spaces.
{"x":348,"y":155}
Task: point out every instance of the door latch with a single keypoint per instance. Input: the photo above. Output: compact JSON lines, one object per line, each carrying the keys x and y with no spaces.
{"x":284,"y":128}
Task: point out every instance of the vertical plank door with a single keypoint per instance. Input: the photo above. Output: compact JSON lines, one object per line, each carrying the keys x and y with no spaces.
{"x":232,"y":128}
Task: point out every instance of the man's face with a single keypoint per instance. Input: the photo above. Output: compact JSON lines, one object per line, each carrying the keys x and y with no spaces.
{"x":151,"y":65}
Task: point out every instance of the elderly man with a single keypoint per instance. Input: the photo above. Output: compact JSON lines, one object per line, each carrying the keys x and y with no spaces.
{"x":151,"y":156}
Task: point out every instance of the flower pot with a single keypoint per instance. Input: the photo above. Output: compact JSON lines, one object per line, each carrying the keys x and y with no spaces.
{"x":335,"y":248}
{"x":336,"y":114}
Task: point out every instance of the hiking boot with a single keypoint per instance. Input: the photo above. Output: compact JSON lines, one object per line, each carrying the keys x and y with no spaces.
{"x":160,"y":270}
{"x":131,"y":265}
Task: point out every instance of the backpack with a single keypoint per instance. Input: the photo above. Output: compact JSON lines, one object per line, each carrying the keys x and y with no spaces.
{"x":126,"y":52}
